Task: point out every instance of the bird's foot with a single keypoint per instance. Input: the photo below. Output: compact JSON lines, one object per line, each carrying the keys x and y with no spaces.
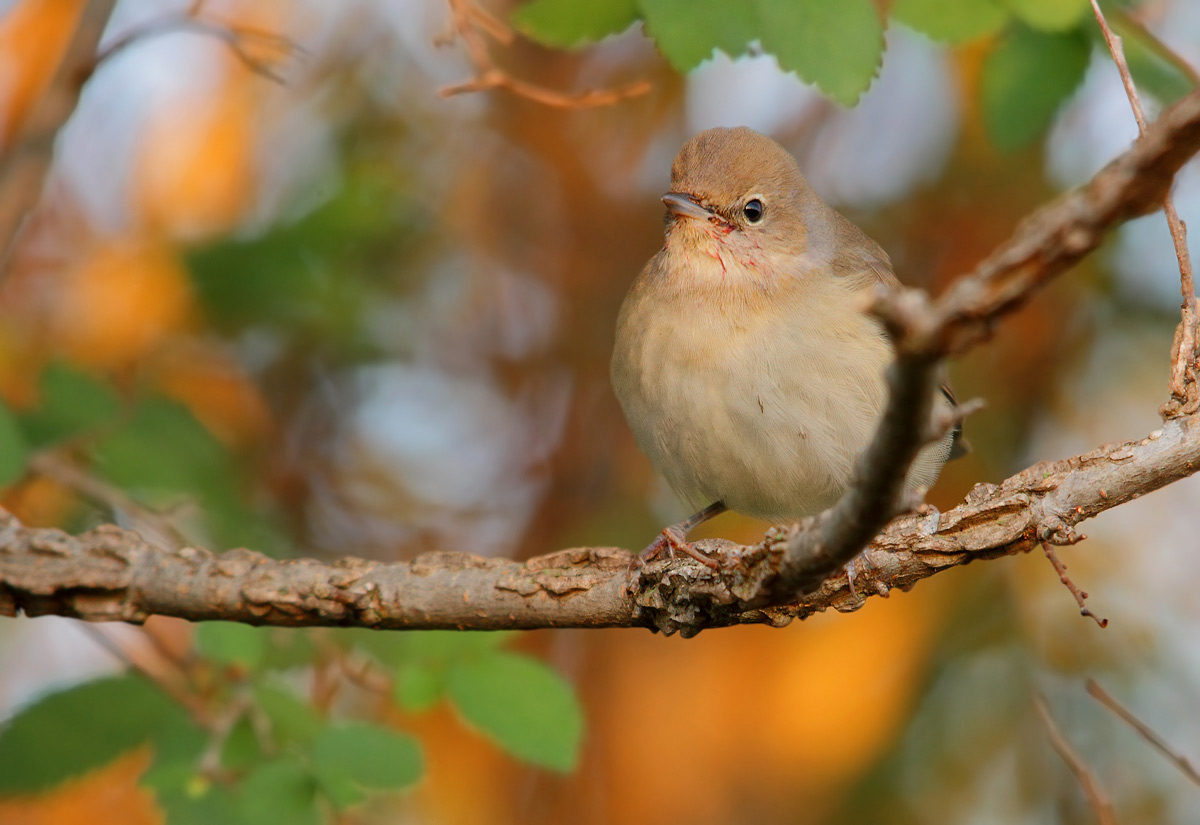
{"x":929,"y":518}
{"x":672,"y":540}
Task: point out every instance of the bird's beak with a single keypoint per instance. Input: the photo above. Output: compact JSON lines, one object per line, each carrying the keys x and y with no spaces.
{"x":685,"y":206}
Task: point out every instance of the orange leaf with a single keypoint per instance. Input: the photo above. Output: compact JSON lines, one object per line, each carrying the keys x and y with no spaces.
{"x":106,"y":795}
{"x":32,"y":39}
{"x":119,"y":302}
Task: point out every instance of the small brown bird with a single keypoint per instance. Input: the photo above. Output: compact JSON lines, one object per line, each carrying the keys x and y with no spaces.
{"x":744,"y":363}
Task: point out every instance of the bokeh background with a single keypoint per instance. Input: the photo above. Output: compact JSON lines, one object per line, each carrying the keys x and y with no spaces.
{"x":365,"y":319}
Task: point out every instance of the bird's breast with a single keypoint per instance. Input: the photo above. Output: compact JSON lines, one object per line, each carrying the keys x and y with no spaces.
{"x":749,"y":402}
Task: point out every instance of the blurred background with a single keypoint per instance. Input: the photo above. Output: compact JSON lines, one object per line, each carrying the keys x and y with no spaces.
{"x":280,"y":293}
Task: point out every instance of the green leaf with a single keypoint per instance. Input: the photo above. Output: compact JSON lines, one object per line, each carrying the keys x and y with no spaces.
{"x":312,"y":278}
{"x":293,"y":721}
{"x":230,"y":643}
{"x":14,"y":452}
{"x":952,"y":21}
{"x":348,"y":758}
{"x":163,"y":454}
{"x":417,"y":686}
{"x":195,"y":802}
{"x":836,"y":45}
{"x":1050,"y":15}
{"x":431,"y":646}
{"x":525,"y":706}
{"x":70,"y":402}
{"x":688,"y":31}
{"x":75,"y":730}
{"x":566,"y":23}
{"x":163,"y":447}
{"x":1025,"y":79}
{"x":242,"y":748}
{"x":282,"y":792}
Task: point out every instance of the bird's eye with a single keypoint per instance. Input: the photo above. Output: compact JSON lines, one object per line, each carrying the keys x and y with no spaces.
{"x":753,"y":210}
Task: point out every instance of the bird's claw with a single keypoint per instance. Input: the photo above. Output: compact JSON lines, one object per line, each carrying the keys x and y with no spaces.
{"x":865,"y":559}
{"x":929,"y":519}
{"x":672,"y":541}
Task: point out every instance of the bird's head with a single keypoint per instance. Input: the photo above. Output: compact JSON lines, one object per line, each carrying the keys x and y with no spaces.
{"x":737,"y":198}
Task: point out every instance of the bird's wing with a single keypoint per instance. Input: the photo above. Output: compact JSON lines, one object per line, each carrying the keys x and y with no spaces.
{"x":864,"y":265}
{"x":857,"y":258}
{"x":959,"y":446}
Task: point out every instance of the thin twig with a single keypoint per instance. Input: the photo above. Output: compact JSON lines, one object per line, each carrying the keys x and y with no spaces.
{"x":152,"y":526}
{"x":1105,"y":698}
{"x":1080,"y":595}
{"x":25,"y":163}
{"x":220,"y":728}
{"x":175,"y":688}
{"x":1184,"y":365}
{"x":1087,"y":781}
{"x":365,"y":674}
{"x":492,"y":79}
{"x":1154,"y":43}
{"x":469,"y":22}
{"x":241,"y":40}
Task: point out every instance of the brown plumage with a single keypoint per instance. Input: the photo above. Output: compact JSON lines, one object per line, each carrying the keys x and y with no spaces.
{"x":743,"y":362}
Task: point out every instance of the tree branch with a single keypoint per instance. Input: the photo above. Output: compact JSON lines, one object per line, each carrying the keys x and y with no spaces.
{"x":111,"y":574}
{"x":1096,"y":797}
{"x":1047,"y":243}
{"x":1183,"y":355}
{"x":26,"y":161}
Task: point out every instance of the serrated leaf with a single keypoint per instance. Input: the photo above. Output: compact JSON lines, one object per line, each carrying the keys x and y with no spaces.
{"x":69,"y":402}
{"x":836,"y":45}
{"x":282,"y":792}
{"x":525,"y":706}
{"x":230,"y":643}
{"x":952,"y":21}
{"x":293,"y":721}
{"x":567,"y":23}
{"x":351,"y":757}
{"x":1049,"y":15}
{"x":14,"y":452}
{"x":1024,"y":81}
{"x":688,"y":31}
{"x":417,"y":686}
{"x":70,"y":732}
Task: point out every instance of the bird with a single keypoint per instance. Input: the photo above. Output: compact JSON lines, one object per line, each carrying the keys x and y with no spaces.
{"x":744,"y":361}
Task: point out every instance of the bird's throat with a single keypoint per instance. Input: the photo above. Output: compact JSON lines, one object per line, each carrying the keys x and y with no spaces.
{"x":713,"y":255}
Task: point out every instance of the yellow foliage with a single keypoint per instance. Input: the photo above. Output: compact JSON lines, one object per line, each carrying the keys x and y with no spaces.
{"x":196,"y":169}
{"x":106,"y":795}
{"x":215,"y":389}
{"x":119,"y":301}
{"x":33,"y":36}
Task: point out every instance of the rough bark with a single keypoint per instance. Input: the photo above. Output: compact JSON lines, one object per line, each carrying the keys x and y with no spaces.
{"x":110,"y":574}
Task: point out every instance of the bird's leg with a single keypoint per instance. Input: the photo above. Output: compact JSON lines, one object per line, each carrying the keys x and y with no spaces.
{"x":674,"y":538}
{"x":863,"y":558}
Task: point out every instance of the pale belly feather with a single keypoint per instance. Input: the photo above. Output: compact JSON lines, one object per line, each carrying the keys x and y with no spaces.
{"x":766,"y":418}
